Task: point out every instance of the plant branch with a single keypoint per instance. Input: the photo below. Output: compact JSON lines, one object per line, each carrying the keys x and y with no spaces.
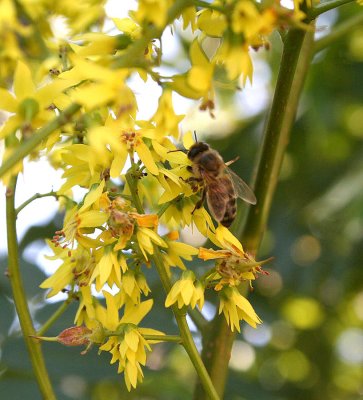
{"x":164,"y":338}
{"x":29,"y":145}
{"x":39,"y":196}
{"x":20,"y":300}
{"x":180,"y":314}
{"x":296,"y":58}
{"x":321,"y":8}
{"x":339,"y":31}
{"x":60,"y":310}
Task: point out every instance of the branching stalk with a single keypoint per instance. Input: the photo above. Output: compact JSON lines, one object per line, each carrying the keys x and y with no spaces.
{"x":43,"y":133}
{"x":20,"y":301}
{"x":180,"y":314}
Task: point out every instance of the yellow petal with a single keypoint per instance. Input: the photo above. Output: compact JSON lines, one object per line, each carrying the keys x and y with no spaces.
{"x":23,"y":83}
{"x":147,"y":158}
{"x":7,"y":101}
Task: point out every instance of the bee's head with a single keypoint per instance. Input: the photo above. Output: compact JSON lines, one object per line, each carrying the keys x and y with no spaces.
{"x":196,"y":149}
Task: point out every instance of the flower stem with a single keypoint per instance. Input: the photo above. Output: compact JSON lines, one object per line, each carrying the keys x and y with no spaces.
{"x":295,"y":60}
{"x":60,"y":310}
{"x":40,"y":196}
{"x":164,"y":338}
{"x":180,"y":315}
{"x":20,"y":300}
{"x":29,"y":145}
{"x":187,"y":338}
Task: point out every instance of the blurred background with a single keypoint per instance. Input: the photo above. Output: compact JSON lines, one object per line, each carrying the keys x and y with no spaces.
{"x":310,"y":345}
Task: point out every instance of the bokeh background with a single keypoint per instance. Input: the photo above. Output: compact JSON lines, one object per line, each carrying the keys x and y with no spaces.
{"x":310,"y":345}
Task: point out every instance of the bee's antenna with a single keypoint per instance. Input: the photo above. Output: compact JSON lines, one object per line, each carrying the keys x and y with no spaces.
{"x":195,"y":136}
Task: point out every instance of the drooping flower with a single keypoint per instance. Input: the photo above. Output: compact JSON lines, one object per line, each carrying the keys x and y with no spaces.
{"x":236,"y":308}
{"x":186,"y":291}
{"x":126,"y":341}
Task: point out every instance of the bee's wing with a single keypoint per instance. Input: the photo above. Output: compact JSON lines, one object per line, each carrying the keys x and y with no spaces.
{"x":241,"y":188}
{"x":217,"y":200}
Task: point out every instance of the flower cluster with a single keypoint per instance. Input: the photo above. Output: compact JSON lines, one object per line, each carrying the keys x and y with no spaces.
{"x":137,"y":188}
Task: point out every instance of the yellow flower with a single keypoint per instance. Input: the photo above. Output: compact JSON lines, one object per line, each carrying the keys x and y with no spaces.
{"x":78,"y":222}
{"x":212,"y":22}
{"x":96,"y":85}
{"x":166,"y":121}
{"x":146,"y":239}
{"x":122,"y":140}
{"x":236,"y":308}
{"x":86,"y":313}
{"x":236,"y":59}
{"x":76,"y":267}
{"x":126,"y":342}
{"x":186,"y":291}
{"x":197,"y":82}
{"x":152,"y":11}
{"x":108,"y":269}
{"x":176,"y":251}
{"x":82,"y":165}
{"x":133,"y":284}
{"x":246,"y":18}
{"x":31,"y":106}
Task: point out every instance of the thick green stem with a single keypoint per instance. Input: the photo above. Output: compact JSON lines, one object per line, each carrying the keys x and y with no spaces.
{"x":20,"y":300}
{"x":43,"y":133}
{"x":293,"y":69}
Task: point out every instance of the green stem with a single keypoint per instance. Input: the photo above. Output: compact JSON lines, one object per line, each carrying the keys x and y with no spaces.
{"x":338,"y":32}
{"x":187,"y":338}
{"x":43,"y":133}
{"x":295,"y":62}
{"x":180,"y":315}
{"x":40,"y":196}
{"x":321,"y":8}
{"x":164,"y":338}
{"x":294,"y":65}
{"x":20,"y":300}
{"x":60,"y":310}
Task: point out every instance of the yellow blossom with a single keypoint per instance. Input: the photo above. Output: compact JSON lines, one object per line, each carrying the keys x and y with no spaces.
{"x":152,"y":11}
{"x":186,"y":291}
{"x":146,"y":239}
{"x":236,"y":59}
{"x":197,"y":82}
{"x":212,"y":22}
{"x":76,"y":267}
{"x":166,"y":121}
{"x":122,"y":139}
{"x":108,"y":269}
{"x":236,"y":308}
{"x":127,"y":344}
{"x":31,"y":106}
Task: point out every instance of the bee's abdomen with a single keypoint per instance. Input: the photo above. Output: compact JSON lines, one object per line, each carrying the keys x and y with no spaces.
{"x":230,"y":213}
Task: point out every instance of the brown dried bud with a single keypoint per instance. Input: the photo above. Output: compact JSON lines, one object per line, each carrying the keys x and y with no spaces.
{"x":75,"y":336}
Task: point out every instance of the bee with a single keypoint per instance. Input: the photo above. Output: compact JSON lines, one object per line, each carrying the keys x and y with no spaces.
{"x":221,"y":186}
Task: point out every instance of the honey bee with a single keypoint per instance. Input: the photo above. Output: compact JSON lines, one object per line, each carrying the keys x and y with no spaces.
{"x":221,"y":186}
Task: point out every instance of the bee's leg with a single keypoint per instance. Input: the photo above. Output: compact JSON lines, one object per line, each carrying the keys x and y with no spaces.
{"x":194,"y":182}
{"x":200,"y":202}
